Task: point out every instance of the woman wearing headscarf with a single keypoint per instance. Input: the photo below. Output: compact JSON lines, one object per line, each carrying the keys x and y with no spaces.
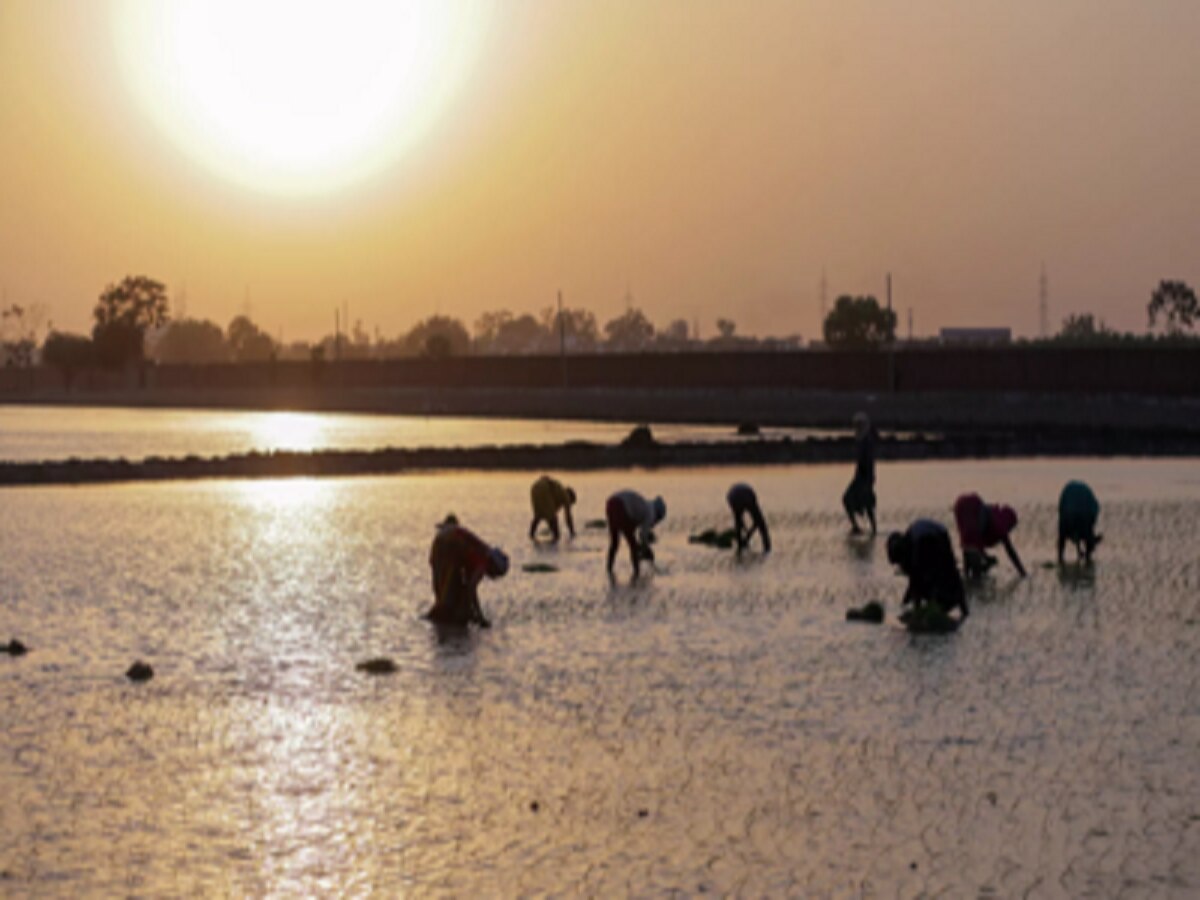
{"x":982,"y":526}
{"x":458,"y":561}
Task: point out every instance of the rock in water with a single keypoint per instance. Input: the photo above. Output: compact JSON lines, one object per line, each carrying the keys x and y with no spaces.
{"x":139,"y":671}
{"x":595,"y":523}
{"x":871,"y":612}
{"x":748,"y":429}
{"x":538,"y":567}
{"x":14,"y":648}
{"x":640,"y":437}
{"x":381,"y":665}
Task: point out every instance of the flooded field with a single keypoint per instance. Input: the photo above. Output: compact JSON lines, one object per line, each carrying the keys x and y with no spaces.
{"x":717,"y":728}
{"x":39,"y":433}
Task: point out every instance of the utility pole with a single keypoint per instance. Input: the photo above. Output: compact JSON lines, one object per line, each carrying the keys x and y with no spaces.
{"x":910,"y":324}
{"x":562,"y":340}
{"x":891,"y":340}
{"x":337,"y":334}
{"x":1044,"y":303}
{"x":824,"y":294}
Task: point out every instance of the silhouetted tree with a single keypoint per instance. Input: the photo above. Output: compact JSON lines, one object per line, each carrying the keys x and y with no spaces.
{"x":247,"y":342}
{"x":488,"y":325}
{"x":1177,"y":303}
{"x":457,"y":342}
{"x":124,"y":313}
{"x":859,"y":322}
{"x":726,"y":328}
{"x":578,"y":325}
{"x":19,"y":329}
{"x":69,"y":353}
{"x":190,"y":341}
{"x":502,"y":332}
{"x":674,"y":336}
{"x":1083,"y":328}
{"x":523,"y":334}
{"x":629,"y":331}
{"x":676,"y":332}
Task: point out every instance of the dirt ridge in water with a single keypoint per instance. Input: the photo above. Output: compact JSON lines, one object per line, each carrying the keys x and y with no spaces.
{"x":584,"y":455}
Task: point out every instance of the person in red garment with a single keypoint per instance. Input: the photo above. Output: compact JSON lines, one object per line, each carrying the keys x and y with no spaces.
{"x":982,"y":526}
{"x":458,"y":561}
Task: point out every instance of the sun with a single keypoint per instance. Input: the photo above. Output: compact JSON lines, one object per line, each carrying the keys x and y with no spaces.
{"x":296,"y":96}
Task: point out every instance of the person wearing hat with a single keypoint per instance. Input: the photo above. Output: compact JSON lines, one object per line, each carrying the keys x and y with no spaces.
{"x":859,"y":498}
{"x":458,"y":561}
{"x":1078,"y":510}
{"x":982,"y":526}
{"x":744,"y":502}
{"x":924,"y":554}
{"x":548,"y":496}
{"x":632,"y":516}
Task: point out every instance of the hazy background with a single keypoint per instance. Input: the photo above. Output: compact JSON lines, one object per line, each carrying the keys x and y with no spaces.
{"x":710,"y":158}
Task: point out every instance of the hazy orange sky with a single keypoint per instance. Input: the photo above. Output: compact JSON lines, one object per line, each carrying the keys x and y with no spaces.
{"x":712,"y":158}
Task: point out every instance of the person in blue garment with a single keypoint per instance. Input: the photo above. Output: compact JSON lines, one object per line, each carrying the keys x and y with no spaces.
{"x":1078,"y":510}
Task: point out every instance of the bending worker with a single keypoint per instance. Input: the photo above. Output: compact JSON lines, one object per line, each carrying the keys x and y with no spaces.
{"x":548,"y":496}
{"x":633,"y":517}
{"x":1078,"y":510}
{"x":925,"y":555}
{"x":744,"y":502}
{"x":982,"y":526}
{"x":859,"y":498}
{"x":458,"y":561}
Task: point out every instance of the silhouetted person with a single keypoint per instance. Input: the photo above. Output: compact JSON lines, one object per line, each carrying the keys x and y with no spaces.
{"x":744,"y":502}
{"x":549,"y":496}
{"x":982,"y":526}
{"x":924,"y":554}
{"x":458,"y":561}
{"x":633,"y":517}
{"x":859,"y":498}
{"x":1078,"y":510}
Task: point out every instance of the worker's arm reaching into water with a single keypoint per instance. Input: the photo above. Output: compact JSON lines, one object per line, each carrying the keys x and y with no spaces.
{"x":1012,"y":555}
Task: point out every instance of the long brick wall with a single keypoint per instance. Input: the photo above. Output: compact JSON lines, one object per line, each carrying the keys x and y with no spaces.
{"x":1167,"y":371}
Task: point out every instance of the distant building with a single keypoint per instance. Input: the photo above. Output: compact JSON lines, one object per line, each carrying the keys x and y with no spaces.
{"x":976,"y":336}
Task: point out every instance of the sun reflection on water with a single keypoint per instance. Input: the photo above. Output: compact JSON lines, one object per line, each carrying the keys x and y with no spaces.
{"x":271,"y":494}
{"x":298,"y":431}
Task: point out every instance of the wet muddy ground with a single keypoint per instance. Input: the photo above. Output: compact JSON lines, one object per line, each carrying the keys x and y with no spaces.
{"x":718,"y":727}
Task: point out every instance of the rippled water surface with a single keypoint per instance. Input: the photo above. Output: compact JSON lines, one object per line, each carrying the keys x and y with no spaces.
{"x":716,"y":728}
{"x":35,"y":433}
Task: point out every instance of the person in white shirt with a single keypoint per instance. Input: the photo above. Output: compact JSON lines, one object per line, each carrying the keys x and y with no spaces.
{"x":633,"y":517}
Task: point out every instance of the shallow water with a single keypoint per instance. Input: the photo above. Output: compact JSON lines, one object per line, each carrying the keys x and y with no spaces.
{"x":38,"y":433}
{"x":716,"y":728}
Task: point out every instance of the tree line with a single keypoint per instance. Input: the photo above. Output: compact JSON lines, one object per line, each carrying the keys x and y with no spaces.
{"x":132,"y":324}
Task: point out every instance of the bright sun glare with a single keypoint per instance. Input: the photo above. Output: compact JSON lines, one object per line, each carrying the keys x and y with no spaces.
{"x":297,"y":96}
